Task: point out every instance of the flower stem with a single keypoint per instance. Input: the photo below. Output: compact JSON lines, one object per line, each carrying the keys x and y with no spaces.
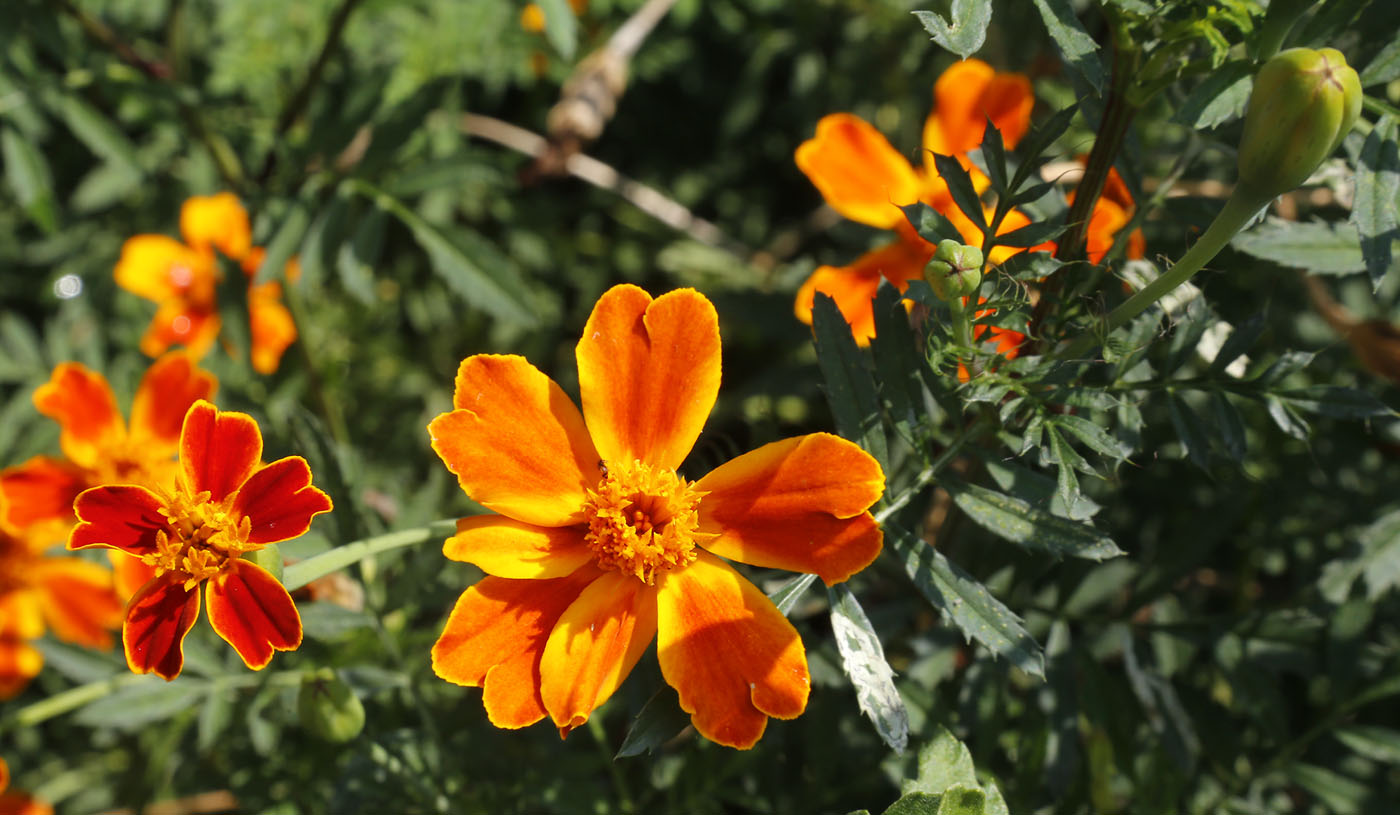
{"x":302,"y":572}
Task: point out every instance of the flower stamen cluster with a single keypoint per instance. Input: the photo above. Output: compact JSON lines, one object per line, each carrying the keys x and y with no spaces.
{"x":202,"y":537}
{"x":642,"y":520}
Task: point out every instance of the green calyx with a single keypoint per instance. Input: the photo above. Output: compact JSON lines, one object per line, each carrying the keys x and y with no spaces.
{"x":954,"y":271}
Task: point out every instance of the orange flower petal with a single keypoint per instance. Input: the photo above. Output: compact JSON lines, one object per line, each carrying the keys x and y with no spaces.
{"x":252,"y":612}
{"x":271,"y":327}
{"x":129,"y":573}
{"x":797,"y":504}
{"x":41,"y":490}
{"x":159,"y":268}
{"x":648,"y":373}
{"x":125,"y":517}
{"x":216,"y":222}
{"x":853,"y":287}
{"x":965,"y":96}
{"x":495,"y":636}
{"x":158,"y":617}
{"x":516,"y":443}
{"x":505,"y":547}
{"x":594,"y":645}
{"x":170,"y":386}
{"x":180,"y":322}
{"x":19,"y":663}
{"x":81,"y":401}
{"x":17,"y":803}
{"x":219,"y":449}
{"x":732,"y":656}
{"x":77,"y":600}
{"x":857,"y":171}
{"x":279,"y":500}
{"x":20,"y":615}
{"x":4,"y":775}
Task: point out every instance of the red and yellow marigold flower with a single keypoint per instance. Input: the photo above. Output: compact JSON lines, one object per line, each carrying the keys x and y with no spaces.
{"x":17,"y":803}
{"x":600,"y":545}
{"x":182,"y":278}
{"x":71,"y":597}
{"x":864,"y":178}
{"x":100,"y":447}
{"x":225,"y":504}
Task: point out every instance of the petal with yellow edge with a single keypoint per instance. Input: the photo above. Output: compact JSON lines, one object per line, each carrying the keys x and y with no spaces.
{"x":252,"y":612}
{"x":853,"y":287}
{"x":495,"y":636}
{"x":594,"y":646}
{"x":797,"y":504}
{"x":158,"y":617}
{"x":181,"y":322}
{"x":279,"y":501}
{"x":648,"y":373}
{"x":516,"y":443}
{"x":216,"y":222}
{"x":123,"y":516}
{"x":505,"y":547}
{"x":219,"y":449}
{"x":77,"y":599}
{"x":41,"y":490}
{"x":857,"y":171}
{"x":732,"y":656}
{"x":271,"y":327}
{"x":19,"y":663}
{"x":170,"y":386}
{"x":81,"y":401}
{"x":159,"y":268}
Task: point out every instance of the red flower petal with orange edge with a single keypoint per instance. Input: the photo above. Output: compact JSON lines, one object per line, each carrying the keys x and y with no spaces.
{"x":252,"y":612}
{"x":125,"y":517}
{"x":516,"y":443}
{"x":158,"y":617}
{"x":279,"y":501}
{"x":160,"y":268}
{"x":219,"y":449}
{"x":505,"y":547}
{"x":81,"y":401}
{"x":129,"y":573}
{"x":216,"y":222}
{"x":271,"y":326}
{"x":169,"y":387}
{"x":495,"y":636}
{"x":853,"y":287}
{"x":77,"y":599}
{"x":594,"y":645}
{"x":732,"y":656}
{"x":40,"y":490}
{"x":857,"y":171}
{"x":181,"y":322}
{"x":798,"y":504}
{"x":648,"y":373}
{"x":19,"y":663}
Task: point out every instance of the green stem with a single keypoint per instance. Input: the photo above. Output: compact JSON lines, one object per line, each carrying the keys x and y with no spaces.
{"x":1236,"y":213}
{"x":304,"y":571}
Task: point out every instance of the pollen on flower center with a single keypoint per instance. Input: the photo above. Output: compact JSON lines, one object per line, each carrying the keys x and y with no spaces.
{"x":200,"y":539}
{"x":642,"y":520}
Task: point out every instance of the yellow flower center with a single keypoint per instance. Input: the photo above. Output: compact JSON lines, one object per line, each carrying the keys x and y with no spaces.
{"x":642,"y":520}
{"x":202,"y":537}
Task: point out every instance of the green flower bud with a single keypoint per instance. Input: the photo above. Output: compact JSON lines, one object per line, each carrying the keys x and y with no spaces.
{"x":269,"y":558}
{"x":1303,"y":104}
{"x":954,"y":271}
{"x":328,"y":708}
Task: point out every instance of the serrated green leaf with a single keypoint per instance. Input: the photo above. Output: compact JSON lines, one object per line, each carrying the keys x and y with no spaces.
{"x":1288,"y":363}
{"x":1337,"y":402}
{"x":863,"y":658}
{"x":1228,"y":425}
{"x":1034,"y":145}
{"x":29,"y":178}
{"x":960,"y":187}
{"x":1076,"y":46}
{"x":931,"y":224}
{"x":1031,"y":234}
{"x":915,"y":803}
{"x":960,"y":800}
{"x":1031,"y":265}
{"x":1385,"y":67}
{"x":1036,"y":489}
{"x":1377,"y":196}
{"x":660,"y":719}
{"x":966,"y":602}
{"x":1320,"y":248}
{"x":1286,"y":417}
{"x":944,"y":763}
{"x":142,"y":703}
{"x":785,"y":597}
{"x":1095,"y":437}
{"x":965,"y":29}
{"x":1190,"y":431}
{"x":1017,"y":521}
{"x":1220,"y":98}
{"x":897,"y":362}
{"x":850,"y":389}
{"x":993,"y":154}
{"x":1066,"y":461}
{"x":1373,"y":742}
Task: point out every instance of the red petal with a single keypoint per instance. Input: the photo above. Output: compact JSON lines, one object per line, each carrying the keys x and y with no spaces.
{"x":280,"y":501}
{"x":157,"y":620}
{"x":77,"y":600}
{"x":170,"y":386}
{"x":124,"y":517}
{"x":81,"y":401}
{"x":252,"y":612}
{"x":219,"y":449}
{"x":41,"y":489}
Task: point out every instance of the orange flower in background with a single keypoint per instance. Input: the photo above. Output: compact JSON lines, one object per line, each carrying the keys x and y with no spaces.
{"x":182,"y":279}
{"x":73,"y":598}
{"x":225,"y":504}
{"x":99,"y":447}
{"x":17,"y":803}
{"x":601,"y":546}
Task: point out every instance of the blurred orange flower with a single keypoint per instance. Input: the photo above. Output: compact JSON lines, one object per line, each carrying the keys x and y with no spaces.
{"x":601,"y":546}
{"x":72,"y":597}
{"x":182,"y":278}
{"x":17,"y":803}
{"x":99,"y":447}
{"x":225,"y":505}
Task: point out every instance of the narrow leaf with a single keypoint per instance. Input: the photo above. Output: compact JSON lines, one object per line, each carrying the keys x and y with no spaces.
{"x":1337,"y":402}
{"x":1228,"y":424}
{"x":660,"y":719}
{"x":1385,"y":67}
{"x":960,"y":187}
{"x":1220,"y":98}
{"x":28,"y":175}
{"x":560,"y":27}
{"x":1031,"y":234}
{"x":1076,"y":46}
{"x":1377,"y":190}
{"x":849,"y":387}
{"x":284,"y":243}
{"x":1189,"y":431}
{"x":1017,"y":521}
{"x":864,"y":660}
{"x":785,"y":597}
{"x":932,"y":225}
{"x":1320,"y":248}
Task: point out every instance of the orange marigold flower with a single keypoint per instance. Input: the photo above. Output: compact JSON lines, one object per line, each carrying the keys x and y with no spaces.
{"x":182,"y":278}
{"x":69,"y":596}
{"x":17,"y":803}
{"x":601,"y":545}
{"x":98,"y":445}
{"x":225,"y":504}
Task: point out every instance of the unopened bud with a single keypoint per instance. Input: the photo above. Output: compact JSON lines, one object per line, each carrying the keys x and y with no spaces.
{"x":269,"y":558}
{"x":329,"y":708}
{"x":1303,"y":104}
{"x":954,"y":271}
